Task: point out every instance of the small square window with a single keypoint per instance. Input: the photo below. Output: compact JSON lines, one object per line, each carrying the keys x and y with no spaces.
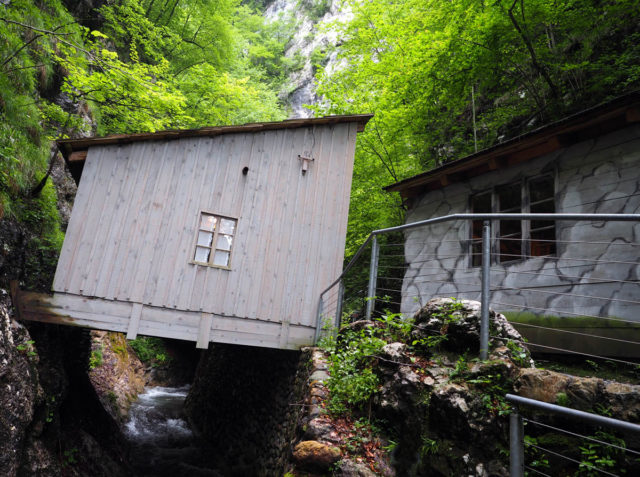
{"x":214,"y":240}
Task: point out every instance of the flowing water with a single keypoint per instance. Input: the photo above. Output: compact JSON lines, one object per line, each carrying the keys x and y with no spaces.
{"x":161,"y":442}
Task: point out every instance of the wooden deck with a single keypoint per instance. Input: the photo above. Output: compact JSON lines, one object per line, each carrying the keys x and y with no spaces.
{"x":140,"y":319}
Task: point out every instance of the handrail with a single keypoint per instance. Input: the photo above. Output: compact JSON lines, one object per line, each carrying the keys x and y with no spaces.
{"x":516,"y":427}
{"x":446,"y":218}
{"x":595,"y":419}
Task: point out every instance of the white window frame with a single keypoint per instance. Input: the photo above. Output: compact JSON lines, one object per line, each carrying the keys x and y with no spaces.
{"x":212,"y":248}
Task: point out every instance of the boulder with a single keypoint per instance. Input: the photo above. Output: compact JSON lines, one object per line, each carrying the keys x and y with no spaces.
{"x":585,"y":394}
{"x":315,"y":456}
{"x":458,"y":322}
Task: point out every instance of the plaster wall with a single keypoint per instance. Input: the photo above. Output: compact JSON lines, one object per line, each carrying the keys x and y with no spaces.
{"x":595,"y":270}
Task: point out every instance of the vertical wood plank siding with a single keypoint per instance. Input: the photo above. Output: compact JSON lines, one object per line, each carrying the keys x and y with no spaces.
{"x":132,"y":231}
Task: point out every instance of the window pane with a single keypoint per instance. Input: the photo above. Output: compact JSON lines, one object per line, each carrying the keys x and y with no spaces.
{"x":205,"y":238}
{"x":221,"y":258}
{"x":224,"y":242}
{"x":541,"y":188}
{"x":544,"y":207}
{"x":479,"y":204}
{"x":543,"y":242}
{"x":202,"y":254}
{"x":510,"y":227}
{"x":227,"y":226}
{"x":510,"y":249}
{"x":208,"y":222}
{"x":509,"y":198}
{"x":476,"y":254}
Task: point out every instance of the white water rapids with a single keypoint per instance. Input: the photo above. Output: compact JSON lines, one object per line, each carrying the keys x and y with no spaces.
{"x":161,"y":442}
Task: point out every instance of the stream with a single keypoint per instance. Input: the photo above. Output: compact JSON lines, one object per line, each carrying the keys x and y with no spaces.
{"x":162,"y":443}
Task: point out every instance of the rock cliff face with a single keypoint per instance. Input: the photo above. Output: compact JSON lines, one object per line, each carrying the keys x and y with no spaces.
{"x":116,"y":372}
{"x":52,"y":422}
{"x":313,"y":43}
{"x":20,"y":390}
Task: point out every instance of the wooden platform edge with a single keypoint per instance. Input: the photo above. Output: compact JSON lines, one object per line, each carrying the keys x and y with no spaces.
{"x":138,"y":319}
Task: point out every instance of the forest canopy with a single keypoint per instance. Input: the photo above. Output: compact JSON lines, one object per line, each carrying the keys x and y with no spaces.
{"x":424,"y":67}
{"x":419,"y":65}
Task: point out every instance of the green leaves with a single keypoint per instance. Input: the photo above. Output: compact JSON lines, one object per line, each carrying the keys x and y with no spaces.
{"x":413,"y":63}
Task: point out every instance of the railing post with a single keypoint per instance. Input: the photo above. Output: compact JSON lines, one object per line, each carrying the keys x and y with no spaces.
{"x":318,"y":320}
{"x":486,"y":265}
{"x":338,"y":320}
{"x":516,"y":444}
{"x":373,"y":277}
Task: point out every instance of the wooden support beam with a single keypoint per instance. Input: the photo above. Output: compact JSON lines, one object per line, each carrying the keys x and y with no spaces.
{"x":133,"y":318}
{"x":14,"y":289}
{"x":284,"y":334}
{"x":204,"y":331}
{"x":78,"y":156}
{"x":134,"y":322}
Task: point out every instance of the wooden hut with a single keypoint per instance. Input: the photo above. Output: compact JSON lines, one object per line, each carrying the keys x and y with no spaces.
{"x":224,"y":234}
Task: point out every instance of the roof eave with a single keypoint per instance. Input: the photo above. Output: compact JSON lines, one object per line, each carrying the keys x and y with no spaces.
{"x":69,"y":146}
{"x":596,"y":121}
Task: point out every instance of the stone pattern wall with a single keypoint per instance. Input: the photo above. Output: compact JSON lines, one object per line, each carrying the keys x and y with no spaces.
{"x":245,"y":402}
{"x":595,"y":176}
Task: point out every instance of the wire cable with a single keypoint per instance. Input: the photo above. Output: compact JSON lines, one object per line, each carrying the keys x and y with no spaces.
{"x":609,"y":444}
{"x":562,"y":456}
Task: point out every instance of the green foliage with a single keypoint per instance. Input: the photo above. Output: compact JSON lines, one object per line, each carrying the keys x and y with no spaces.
{"x":70,"y":457}
{"x":96,"y":358}
{"x":596,"y":455}
{"x":50,"y":407}
{"x":534,"y":457}
{"x":414,"y":62}
{"x":316,"y":8}
{"x":396,"y":327}
{"x":518,"y":354}
{"x":460,"y":370}
{"x":562,"y":399}
{"x":150,"y":350}
{"x":27,"y":348}
{"x":429,"y":447}
{"x":353,"y":382}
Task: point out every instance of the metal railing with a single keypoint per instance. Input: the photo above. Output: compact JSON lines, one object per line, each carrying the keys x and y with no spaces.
{"x":596,"y":278}
{"x":517,"y":443}
{"x":589,"y":273}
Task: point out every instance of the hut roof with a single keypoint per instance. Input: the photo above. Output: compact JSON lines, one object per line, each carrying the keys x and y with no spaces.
{"x":599,"y":120}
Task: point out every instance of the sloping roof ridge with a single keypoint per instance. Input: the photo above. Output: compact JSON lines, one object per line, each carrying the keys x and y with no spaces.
{"x":627,"y":100}
{"x":69,"y":145}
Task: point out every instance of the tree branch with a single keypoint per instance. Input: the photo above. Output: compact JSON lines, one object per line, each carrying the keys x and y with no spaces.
{"x":532,"y":53}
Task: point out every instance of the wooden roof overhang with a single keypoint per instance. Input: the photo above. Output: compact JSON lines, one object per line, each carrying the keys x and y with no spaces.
{"x":594,"y":122}
{"x":75,"y":150}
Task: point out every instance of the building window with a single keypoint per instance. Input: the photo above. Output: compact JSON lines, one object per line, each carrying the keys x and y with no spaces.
{"x":509,"y":232}
{"x":214,"y":240}
{"x":516,"y":239}
{"x":480,"y":203}
{"x":543,"y":232}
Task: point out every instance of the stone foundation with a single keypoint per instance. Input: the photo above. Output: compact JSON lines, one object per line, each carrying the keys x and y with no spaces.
{"x":245,"y":402}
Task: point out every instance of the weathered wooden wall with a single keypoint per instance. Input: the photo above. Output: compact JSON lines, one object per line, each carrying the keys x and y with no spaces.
{"x":131,"y":234}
